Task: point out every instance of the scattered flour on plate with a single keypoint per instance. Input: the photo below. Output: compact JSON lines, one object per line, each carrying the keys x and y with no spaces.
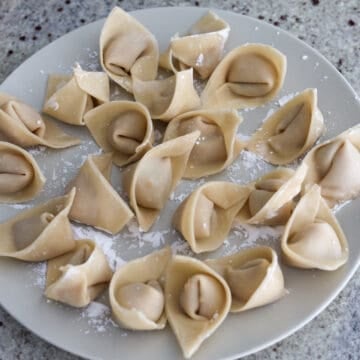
{"x":39,"y":272}
{"x":98,"y":316}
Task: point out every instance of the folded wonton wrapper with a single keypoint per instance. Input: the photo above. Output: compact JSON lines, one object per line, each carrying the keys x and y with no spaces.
{"x":289,"y":132}
{"x":248,"y":76}
{"x":123,"y":128}
{"x":271,"y":200}
{"x":150,"y":181}
{"x":201,"y":48}
{"x":205,"y":217}
{"x":335,"y":166}
{"x":136,"y":292}
{"x":313,"y":239}
{"x":216,"y":148}
{"x":96,"y":202}
{"x":69,"y":98}
{"x":253,"y":275}
{"x":40,"y":233}
{"x":20,"y":177}
{"x":22,"y":125}
{"x":127,"y":49}
{"x":168,"y":97}
{"x":79,"y":276}
{"x":197,"y":302}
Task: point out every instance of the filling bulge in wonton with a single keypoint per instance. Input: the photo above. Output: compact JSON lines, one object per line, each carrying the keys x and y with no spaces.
{"x":335,"y":167}
{"x":79,"y":276}
{"x":150,"y":181}
{"x":253,"y":275}
{"x":312,"y":237}
{"x":22,"y":125}
{"x":69,"y":98}
{"x":200,"y":48}
{"x":206,"y":215}
{"x":20,"y":177}
{"x":136,"y":292}
{"x":123,"y":128}
{"x":197,"y":302}
{"x":127,"y":49}
{"x":217,"y":145}
{"x":271,"y":199}
{"x":289,"y":132}
{"x":40,"y":233}
{"x":168,"y":97}
{"x":247,"y":76}
{"x":96,"y":202}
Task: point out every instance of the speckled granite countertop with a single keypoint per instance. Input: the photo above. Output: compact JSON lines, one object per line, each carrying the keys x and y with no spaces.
{"x":330,"y":26}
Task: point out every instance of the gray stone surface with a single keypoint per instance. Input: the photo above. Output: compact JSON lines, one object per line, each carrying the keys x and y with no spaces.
{"x":330,"y":26}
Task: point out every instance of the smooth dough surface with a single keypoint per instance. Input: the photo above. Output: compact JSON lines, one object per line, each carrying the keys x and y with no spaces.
{"x":40,"y":233}
{"x":22,"y":125}
{"x":313,"y":238}
{"x":79,"y":276}
{"x":96,"y":202}
{"x":148,"y":190}
{"x":248,"y":76}
{"x":197,"y":301}
{"x":217,"y":146}
{"x":127,"y":50}
{"x":253,"y":275}
{"x":137,"y":292}
{"x":20,"y":177}
{"x":290,"y":131}
{"x":123,"y":128}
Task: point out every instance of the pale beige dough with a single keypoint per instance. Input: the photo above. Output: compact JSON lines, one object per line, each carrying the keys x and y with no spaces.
{"x":290,"y":131}
{"x":20,"y":177}
{"x":201,"y":48}
{"x":205,"y":217}
{"x":217,"y":146}
{"x":137,"y":292}
{"x":79,"y":276}
{"x":127,"y":50}
{"x":22,"y":125}
{"x":248,"y":76}
{"x":253,"y":275}
{"x":123,"y":128}
{"x":150,"y":181}
{"x":69,"y":98}
{"x":197,"y":302}
{"x":167,"y":98}
{"x":96,"y":202}
{"x":313,"y":238}
{"x":40,"y":233}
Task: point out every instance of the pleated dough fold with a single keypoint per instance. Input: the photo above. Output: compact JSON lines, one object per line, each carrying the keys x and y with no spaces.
{"x":20,"y":177}
{"x":96,"y":202}
{"x":168,"y":97}
{"x":201,"y":48}
{"x":69,"y":98}
{"x":217,"y":146}
{"x":40,"y":233}
{"x":127,"y":49}
{"x":24,"y":126}
{"x":289,"y":132}
{"x":271,"y":199}
{"x":205,"y":217}
{"x":150,"y":181}
{"x":79,"y":276}
{"x":197,"y":302}
{"x":137,"y":292}
{"x":335,"y":166}
{"x":123,"y":128}
{"x":313,"y":239}
{"x":248,"y":76}
{"x":253,"y":275}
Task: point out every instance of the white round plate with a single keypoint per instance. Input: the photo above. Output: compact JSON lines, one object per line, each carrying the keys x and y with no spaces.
{"x":89,"y":332}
